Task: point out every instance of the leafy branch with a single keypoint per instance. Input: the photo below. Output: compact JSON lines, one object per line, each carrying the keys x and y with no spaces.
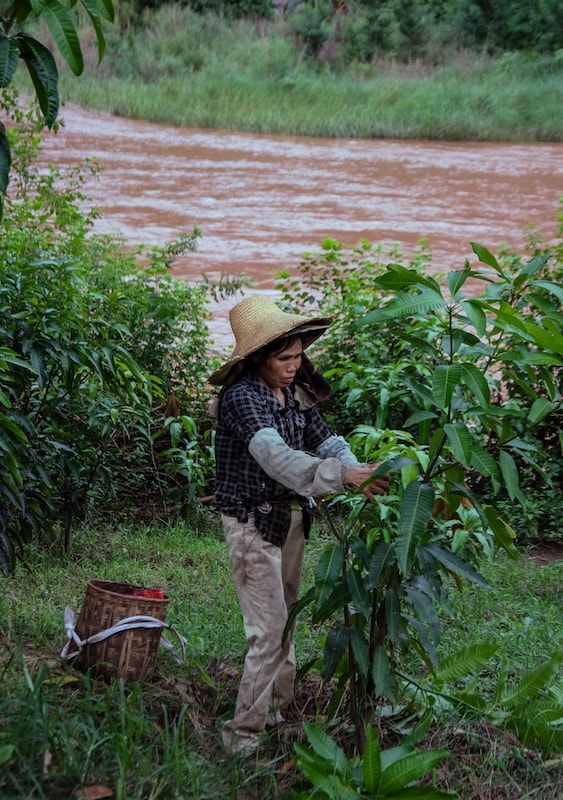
{"x":16,"y":44}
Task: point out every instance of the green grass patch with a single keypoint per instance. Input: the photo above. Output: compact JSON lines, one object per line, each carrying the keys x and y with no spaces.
{"x":160,"y":738}
{"x":447,"y":107}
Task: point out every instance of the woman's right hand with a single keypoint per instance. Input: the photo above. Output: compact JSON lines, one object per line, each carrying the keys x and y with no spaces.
{"x":360,"y":473}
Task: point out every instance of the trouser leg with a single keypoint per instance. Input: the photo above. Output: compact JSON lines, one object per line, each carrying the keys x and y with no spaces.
{"x":292,"y":566}
{"x":267,"y":582}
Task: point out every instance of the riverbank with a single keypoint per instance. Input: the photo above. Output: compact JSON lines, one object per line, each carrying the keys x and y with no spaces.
{"x":206,"y":72}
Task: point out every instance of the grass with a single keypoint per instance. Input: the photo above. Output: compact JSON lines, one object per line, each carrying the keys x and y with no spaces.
{"x":160,"y":738}
{"x":207,"y":72}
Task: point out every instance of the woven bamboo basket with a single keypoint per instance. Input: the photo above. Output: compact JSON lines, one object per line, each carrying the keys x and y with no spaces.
{"x":129,"y":655}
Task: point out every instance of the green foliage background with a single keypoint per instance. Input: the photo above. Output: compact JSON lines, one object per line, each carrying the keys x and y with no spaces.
{"x":407,"y":27}
{"x":96,"y":340}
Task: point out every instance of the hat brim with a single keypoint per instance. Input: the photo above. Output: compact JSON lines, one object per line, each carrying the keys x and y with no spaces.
{"x":310,"y":332}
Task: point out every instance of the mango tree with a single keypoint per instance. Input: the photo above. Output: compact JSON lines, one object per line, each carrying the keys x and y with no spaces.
{"x":380,"y":584}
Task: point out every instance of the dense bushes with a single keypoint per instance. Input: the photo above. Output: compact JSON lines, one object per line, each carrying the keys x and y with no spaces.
{"x":103,"y":361}
{"x":405,"y":29}
{"x":231,"y":8}
{"x":383,"y":375}
{"x":453,"y":388}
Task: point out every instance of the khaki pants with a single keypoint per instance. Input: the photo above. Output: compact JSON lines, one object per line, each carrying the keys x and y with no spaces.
{"x":267,"y":580}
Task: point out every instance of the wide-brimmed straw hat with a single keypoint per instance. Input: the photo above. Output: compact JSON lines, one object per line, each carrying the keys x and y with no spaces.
{"x":257,"y":321}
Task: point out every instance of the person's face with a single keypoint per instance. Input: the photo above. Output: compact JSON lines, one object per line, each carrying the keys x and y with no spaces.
{"x":278,"y":370}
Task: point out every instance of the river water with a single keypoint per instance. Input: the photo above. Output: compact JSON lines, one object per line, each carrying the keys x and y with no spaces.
{"x":262,"y":201}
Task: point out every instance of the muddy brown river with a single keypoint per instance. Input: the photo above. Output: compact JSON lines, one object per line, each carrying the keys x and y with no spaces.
{"x":262,"y":201}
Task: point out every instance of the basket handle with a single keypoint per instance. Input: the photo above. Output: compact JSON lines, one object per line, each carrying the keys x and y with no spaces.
{"x":127,"y":624}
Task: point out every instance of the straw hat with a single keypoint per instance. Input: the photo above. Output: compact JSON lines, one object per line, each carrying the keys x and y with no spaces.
{"x":256,"y":321}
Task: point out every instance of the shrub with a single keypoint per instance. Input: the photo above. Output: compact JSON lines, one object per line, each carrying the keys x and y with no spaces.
{"x":379,"y":584}
{"x":103,"y":360}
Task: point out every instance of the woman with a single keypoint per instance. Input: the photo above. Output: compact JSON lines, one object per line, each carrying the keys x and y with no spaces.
{"x":274,"y":453}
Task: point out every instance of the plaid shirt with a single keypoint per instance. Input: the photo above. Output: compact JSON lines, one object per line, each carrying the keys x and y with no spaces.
{"x":242,"y":486}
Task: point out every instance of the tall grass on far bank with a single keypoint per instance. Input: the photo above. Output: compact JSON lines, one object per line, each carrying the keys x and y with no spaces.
{"x":160,"y":739}
{"x":206,"y":72}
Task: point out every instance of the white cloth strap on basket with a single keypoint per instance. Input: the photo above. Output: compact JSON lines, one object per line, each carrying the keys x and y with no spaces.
{"x":127,"y":624}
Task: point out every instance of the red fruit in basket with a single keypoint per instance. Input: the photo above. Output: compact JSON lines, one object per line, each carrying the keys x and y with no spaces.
{"x":155,"y":594}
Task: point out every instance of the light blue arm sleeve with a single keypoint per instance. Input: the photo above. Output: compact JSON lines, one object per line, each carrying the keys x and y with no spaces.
{"x":307,"y":475}
{"x":337,"y":447}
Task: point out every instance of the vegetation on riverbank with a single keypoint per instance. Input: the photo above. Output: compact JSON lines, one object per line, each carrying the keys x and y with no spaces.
{"x":208,"y":71}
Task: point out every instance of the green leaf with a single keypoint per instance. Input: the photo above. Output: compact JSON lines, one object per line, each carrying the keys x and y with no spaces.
{"x":325,"y":747}
{"x":7,"y":424}
{"x":8,"y":356}
{"x":456,"y":279}
{"x":399,"y":277}
{"x":444,"y":381}
{"x":95,"y":12}
{"x":104,"y":8}
{"x":486,"y":257}
{"x":464,"y":662}
{"x":297,"y":608}
{"x":532,"y":357}
{"x":531,"y":268}
{"x":483,"y":462}
{"x":476,"y":382}
{"x":419,"y":416}
{"x":9,"y":57}
{"x":552,"y":288}
{"x":414,"y":513}
{"x":358,"y":592}
{"x":371,"y":767}
{"x":423,"y":604}
{"x":382,"y":557}
{"x":546,"y":339}
{"x":410,"y":768}
{"x":509,"y":472}
{"x":6,"y":752}
{"x":406,"y":305}
{"x":328,"y":571}
{"x":321,"y":774}
{"x":392,"y":614}
{"x":420,"y":729}
{"x":437,"y":443}
{"x":456,"y":564}
{"x":504,"y":534}
{"x":541,"y":408}
{"x":64,"y":33}
{"x":360,"y":550}
{"x":335,"y":602}
{"x":385,"y":684}
{"x":22,"y":10}
{"x":476,"y":315}
{"x":533,"y":682}
{"x":5,"y":159}
{"x":44,"y":74}
{"x":360,"y":649}
{"x":335,"y":647}
{"x":460,"y":441}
